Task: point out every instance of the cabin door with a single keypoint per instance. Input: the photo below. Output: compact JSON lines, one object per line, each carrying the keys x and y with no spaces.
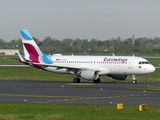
{"x":130,"y":63}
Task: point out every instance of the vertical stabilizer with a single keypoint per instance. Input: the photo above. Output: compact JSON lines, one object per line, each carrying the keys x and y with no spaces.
{"x":31,"y":50}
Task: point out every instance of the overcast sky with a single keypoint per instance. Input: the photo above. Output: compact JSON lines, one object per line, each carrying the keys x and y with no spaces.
{"x":84,"y":19}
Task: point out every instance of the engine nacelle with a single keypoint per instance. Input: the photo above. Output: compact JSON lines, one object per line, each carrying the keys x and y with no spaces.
{"x":118,"y":77}
{"x":89,"y":74}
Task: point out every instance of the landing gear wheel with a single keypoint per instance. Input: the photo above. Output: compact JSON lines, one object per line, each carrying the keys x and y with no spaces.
{"x":97,"y":81}
{"x":134,"y":81}
{"x":76,"y":80}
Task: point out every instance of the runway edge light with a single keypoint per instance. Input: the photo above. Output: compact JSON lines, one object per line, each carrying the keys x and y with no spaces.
{"x":120,"y":106}
{"x":143,"y":107}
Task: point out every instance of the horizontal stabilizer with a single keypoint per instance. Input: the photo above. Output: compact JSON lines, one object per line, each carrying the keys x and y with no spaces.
{"x":21,"y":58}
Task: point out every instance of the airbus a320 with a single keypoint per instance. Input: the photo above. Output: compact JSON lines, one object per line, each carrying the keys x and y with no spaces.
{"x":86,"y":67}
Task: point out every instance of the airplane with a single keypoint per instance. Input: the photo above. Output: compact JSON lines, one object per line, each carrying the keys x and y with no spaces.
{"x":85,"y":67}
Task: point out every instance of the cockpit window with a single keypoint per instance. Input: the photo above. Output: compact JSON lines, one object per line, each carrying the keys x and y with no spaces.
{"x":143,"y":62}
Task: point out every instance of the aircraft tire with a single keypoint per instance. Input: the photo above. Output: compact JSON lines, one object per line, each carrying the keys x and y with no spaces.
{"x":134,"y":81}
{"x":76,"y":80}
{"x":97,"y":81}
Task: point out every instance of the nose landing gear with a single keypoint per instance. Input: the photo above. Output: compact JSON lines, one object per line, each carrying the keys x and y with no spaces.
{"x":134,"y":79}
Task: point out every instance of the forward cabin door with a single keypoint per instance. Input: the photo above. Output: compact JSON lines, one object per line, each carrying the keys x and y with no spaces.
{"x":130,"y":63}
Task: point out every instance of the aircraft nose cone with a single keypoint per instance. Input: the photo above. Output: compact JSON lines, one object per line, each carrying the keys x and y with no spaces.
{"x":152,"y":69}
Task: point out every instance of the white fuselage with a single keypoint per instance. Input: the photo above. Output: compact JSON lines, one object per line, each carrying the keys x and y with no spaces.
{"x":106,"y":65}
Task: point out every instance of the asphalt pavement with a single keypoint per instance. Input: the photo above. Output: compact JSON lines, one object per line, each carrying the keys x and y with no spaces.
{"x":87,"y":93}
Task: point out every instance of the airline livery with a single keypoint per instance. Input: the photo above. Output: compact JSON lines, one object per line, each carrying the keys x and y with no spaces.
{"x":86,"y":67}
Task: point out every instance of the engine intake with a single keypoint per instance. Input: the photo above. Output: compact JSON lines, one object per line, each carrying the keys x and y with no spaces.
{"x":89,"y":74}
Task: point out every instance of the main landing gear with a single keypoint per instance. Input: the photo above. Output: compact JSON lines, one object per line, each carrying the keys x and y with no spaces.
{"x":78,"y":80}
{"x":97,"y":81}
{"x":134,"y":79}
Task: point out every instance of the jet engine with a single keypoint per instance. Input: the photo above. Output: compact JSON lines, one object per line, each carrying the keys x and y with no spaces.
{"x":118,"y":77}
{"x":89,"y":74}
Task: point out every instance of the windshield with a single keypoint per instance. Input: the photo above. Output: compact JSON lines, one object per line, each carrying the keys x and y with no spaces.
{"x":143,"y":62}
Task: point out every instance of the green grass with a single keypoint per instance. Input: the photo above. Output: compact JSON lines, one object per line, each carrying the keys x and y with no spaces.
{"x":149,"y":88}
{"x":69,"y":112}
{"x":31,"y":73}
{"x":74,"y":112}
{"x":154,"y":61}
{"x":154,"y":77}
{"x":9,"y":59}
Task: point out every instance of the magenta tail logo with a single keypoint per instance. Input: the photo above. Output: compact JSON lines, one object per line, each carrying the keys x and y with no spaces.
{"x":35,"y":54}
{"x":32,"y":52}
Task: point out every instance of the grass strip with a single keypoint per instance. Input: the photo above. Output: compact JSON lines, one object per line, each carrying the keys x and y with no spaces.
{"x":74,"y":112}
{"x":149,"y":88}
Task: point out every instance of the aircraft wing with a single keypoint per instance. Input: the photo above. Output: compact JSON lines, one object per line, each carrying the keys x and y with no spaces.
{"x":67,"y":66}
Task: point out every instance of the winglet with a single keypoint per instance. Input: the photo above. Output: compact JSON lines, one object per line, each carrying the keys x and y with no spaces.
{"x":113,"y":54}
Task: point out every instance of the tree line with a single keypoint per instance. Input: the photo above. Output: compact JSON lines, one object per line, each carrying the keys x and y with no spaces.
{"x":83,"y":46}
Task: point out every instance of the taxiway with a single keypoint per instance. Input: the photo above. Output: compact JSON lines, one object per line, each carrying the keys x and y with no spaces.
{"x":47,"y":92}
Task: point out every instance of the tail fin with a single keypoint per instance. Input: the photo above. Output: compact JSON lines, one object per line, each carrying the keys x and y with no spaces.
{"x":31,"y":50}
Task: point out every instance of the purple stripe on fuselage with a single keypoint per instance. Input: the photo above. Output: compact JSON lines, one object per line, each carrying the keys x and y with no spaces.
{"x":32,"y":52}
